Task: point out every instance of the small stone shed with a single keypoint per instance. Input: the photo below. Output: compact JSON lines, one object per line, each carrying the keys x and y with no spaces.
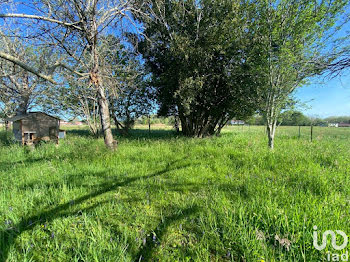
{"x":34,"y":127}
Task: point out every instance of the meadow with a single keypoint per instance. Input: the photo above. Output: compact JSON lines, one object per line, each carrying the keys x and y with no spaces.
{"x":164,"y":197}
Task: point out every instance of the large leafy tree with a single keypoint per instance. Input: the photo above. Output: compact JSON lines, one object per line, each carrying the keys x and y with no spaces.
{"x":202,"y":55}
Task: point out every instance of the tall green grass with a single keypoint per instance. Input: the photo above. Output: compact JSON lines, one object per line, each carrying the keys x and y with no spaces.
{"x":167,"y":198}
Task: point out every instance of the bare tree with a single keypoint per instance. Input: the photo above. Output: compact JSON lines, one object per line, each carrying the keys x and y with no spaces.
{"x":26,"y":67}
{"x":17,"y":84}
{"x":80,"y":100}
{"x":75,"y":28}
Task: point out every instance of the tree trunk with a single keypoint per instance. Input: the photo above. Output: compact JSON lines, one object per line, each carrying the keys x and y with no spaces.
{"x":221,"y":124}
{"x":206,"y":127}
{"x":149,"y":124}
{"x":90,"y":116}
{"x":94,"y":130}
{"x":271,"y":129}
{"x":97,"y":83}
{"x":121,"y":129}
{"x":7,"y":126}
{"x":203,"y":132}
{"x":23,"y":105}
{"x":105,"y":119}
{"x":176,"y":124}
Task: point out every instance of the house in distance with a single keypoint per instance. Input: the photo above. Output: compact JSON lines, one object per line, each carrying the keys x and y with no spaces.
{"x":33,"y":127}
{"x":339,"y":124}
{"x":235,"y":122}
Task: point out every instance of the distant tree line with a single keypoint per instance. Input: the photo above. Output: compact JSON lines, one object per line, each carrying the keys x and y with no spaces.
{"x":288,"y":118}
{"x":297,"y":118}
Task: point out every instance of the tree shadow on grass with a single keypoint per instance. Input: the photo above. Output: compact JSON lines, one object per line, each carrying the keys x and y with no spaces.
{"x":7,"y":166}
{"x":8,"y":236}
{"x":81,"y":179}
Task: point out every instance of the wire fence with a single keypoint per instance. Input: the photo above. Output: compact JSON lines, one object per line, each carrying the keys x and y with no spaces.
{"x":300,"y":132}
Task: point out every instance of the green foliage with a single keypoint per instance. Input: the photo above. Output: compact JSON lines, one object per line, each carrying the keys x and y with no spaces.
{"x":130,"y":95}
{"x":6,"y":138}
{"x":294,"y":118}
{"x":202,"y":57}
{"x":338,"y":119}
{"x":154,"y":119}
{"x":134,"y":96}
{"x":256,"y":120}
{"x":297,"y":118}
{"x":293,"y":37}
{"x":174,"y":199}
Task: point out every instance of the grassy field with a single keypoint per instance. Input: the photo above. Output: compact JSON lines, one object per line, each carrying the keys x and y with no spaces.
{"x":167,"y":198}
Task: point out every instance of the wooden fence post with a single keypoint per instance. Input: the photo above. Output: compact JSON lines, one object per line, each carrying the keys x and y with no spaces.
{"x":149,"y":124}
{"x":311,"y":131}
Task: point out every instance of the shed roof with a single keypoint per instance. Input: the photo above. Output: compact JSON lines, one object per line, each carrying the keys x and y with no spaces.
{"x":20,"y":117}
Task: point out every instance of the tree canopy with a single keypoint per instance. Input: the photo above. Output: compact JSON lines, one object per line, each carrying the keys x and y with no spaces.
{"x":202,"y":57}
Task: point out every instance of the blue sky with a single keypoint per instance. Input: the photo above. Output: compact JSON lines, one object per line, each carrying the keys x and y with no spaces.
{"x":326,"y":97}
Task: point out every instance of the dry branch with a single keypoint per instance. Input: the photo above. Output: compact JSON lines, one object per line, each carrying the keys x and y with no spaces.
{"x":23,"y":65}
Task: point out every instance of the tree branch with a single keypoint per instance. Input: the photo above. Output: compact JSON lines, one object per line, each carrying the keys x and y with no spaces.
{"x":16,"y":61}
{"x":36,"y":17}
